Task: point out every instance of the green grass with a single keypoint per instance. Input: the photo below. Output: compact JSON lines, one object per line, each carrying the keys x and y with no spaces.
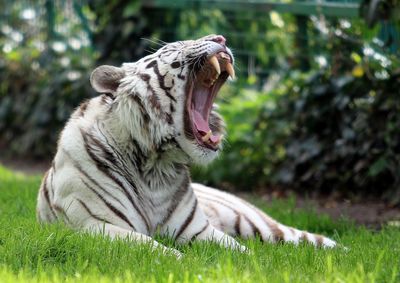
{"x":33,"y":253}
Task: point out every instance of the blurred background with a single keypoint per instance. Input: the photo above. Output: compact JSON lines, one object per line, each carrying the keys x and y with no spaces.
{"x":315,"y":109}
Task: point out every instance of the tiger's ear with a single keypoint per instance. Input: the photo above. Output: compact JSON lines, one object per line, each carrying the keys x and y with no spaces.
{"x":106,"y":79}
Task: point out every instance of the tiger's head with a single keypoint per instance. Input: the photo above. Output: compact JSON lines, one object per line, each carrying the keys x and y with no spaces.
{"x":169,"y":95}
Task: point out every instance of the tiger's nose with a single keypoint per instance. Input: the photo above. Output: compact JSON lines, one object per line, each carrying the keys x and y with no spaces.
{"x":219,"y":39}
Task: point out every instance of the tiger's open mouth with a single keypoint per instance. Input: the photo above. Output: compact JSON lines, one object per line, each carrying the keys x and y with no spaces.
{"x":202,"y":88}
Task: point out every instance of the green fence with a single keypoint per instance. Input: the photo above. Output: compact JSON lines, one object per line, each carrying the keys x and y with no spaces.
{"x":370,"y":13}
{"x":345,"y":9}
{"x":306,"y":44}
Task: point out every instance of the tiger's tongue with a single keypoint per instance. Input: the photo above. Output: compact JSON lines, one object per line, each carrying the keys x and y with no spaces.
{"x":201,"y":104}
{"x":202,"y":126}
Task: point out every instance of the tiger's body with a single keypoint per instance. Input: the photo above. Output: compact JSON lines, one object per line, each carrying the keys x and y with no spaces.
{"x":122,"y":163}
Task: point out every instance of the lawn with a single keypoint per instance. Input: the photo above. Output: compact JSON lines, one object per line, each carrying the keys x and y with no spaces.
{"x":33,"y":253}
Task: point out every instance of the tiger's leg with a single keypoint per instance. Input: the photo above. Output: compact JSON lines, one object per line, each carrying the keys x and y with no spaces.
{"x":85,"y":217}
{"x":239,"y":218}
{"x":45,"y":212}
{"x":187,"y":222}
{"x":115,"y":232}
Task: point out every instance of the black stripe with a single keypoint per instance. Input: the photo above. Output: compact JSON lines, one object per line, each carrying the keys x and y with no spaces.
{"x":154,"y":100}
{"x":188,"y":220}
{"x":171,"y":108}
{"x":62,"y":211}
{"x":168,"y":118}
{"x":110,"y":206}
{"x":91,"y":213}
{"x":273,"y":226}
{"x":151,"y":57}
{"x":105,"y":98}
{"x":114,"y":151}
{"x":237,"y":224}
{"x":46,"y":193}
{"x":145,"y":77}
{"x":255,"y":229}
{"x":201,"y":231}
{"x":319,"y":240}
{"x":142,"y":109}
{"x":101,"y":167}
{"x":154,"y":64}
{"x":51,"y":188}
{"x":304,"y":237}
{"x":221,"y":224}
{"x":84,"y":173}
{"x":106,"y":169}
{"x":83,"y":107}
{"x":109,"y":156}
{"x":177,"y":197}
{"x":134,"y":160}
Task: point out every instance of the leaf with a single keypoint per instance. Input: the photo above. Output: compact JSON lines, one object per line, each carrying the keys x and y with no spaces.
{"x":131,"y":9}
{"x":358,"y":71}
{"x":377,"y":167}
{"x":356,"y":58}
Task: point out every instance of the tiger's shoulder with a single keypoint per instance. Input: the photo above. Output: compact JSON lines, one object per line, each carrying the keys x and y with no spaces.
{"x":84,"y":118}
{"x":92,"y":109}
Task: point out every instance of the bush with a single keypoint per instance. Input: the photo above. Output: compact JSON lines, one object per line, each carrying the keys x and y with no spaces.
{"x":319,"y":131}
{"x":35,"y":103}
{"x":41,"y":81}
{"x":347,"y":132}
{"x":334,"y":129}
{"x":255,"y":144}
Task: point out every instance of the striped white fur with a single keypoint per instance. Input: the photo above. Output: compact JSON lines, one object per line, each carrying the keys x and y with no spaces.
{"x":122,"y":163}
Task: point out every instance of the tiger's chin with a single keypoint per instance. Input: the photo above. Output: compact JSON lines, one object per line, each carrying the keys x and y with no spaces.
{"x":203,"y":127}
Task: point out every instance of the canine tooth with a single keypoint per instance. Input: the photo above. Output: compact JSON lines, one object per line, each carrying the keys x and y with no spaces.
{"x":207,"y":136}
{"x":224,"y":55}
{"x":230,"y":70}
{"x":215,"y":63}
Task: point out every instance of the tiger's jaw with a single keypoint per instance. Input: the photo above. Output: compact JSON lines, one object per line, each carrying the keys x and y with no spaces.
{"x":202,"y":88}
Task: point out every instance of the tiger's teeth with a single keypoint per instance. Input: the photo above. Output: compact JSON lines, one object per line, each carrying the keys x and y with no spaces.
{"x":224,"y":55}
{"x":215,"y":63}
{"x":230,"y":70}
{"x":207,"y":136}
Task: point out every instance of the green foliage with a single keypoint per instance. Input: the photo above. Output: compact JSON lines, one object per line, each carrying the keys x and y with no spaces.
{"x":255,"y":145}
{"x":260,"y":41}
{"x":41,"y":82}
{"x":120,"y":27}
{"x":47,"y":56}
{"x":337,"y":129}
{"x":30,"y":252}
{"x":334,"y":128}
{"x":347,"y":129}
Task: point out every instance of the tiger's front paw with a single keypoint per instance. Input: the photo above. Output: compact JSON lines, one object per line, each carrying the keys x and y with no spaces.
{"x":167,"y":251}
{"x":244,"y":249}
{"x":234,"y":245}
{"x":328,"y":243}
{"x":173,"y":252}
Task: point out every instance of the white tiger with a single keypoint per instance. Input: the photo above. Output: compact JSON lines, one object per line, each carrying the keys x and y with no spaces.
{"x":122,"y":163}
